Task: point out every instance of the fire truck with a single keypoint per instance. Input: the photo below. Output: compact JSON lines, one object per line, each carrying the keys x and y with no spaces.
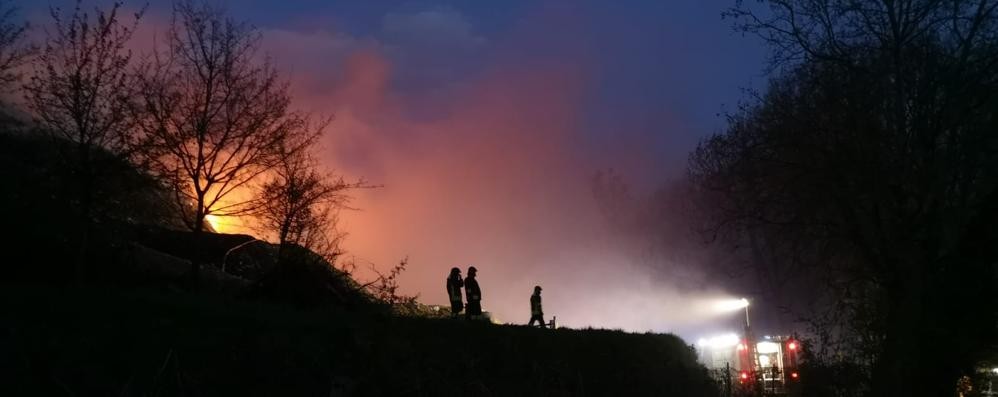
{"x":745,"y":366}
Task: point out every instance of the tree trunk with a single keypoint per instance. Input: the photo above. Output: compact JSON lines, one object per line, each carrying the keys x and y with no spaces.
{"x":195,"y":273}
{"x":281,"y":253}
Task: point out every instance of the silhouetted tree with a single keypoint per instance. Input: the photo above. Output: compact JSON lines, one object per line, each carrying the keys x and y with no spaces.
{"x":385,"y":286}
{"x":13,"y":51}
{"x":80,"y":92}
{"x":300,"y":203}
{"x":869,"y":172}
{"x":213,"y":113}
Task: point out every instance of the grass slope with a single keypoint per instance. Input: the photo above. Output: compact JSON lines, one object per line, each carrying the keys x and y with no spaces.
{"x":93,"y":341}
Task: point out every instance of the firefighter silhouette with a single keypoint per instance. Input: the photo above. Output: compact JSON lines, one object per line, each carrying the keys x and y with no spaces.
{"x":454,"y":285}
{"x":536,"y":311}
{"x":473,"y":293}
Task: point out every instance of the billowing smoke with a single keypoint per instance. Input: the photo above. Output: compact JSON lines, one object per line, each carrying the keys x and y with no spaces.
{"x":485,"y":150}
{"x":493,"y":171}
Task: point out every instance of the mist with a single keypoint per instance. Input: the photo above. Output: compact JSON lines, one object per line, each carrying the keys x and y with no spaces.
{"x":493,"y":171}
{"x":484,"y":146}
{"x":230,"y":187}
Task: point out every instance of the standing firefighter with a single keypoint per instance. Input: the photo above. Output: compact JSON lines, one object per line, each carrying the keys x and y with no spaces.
{"x":474,"y":294}
{"x":536,"y":312}
{"x":454,"y":285}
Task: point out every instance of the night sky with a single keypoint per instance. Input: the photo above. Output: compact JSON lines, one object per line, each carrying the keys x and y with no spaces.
{"x":484,"y":122}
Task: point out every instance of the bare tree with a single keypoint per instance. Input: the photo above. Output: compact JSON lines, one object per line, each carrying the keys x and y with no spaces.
{"x":214,"y":110}
{"x":300,"y":203}
{"x":13,"y":51}
{"x":299,"y":206}
{"x":385,"y":287}
{"x":80,"y":92}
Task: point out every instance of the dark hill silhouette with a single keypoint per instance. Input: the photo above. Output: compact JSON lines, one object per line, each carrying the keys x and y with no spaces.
{"x":85,"y":341}
{"x":308,"y":281}
{"x":128,"y":327}
{"x":38,"y":209}
{"x":139,"y":235}
{"x":251,"y":268}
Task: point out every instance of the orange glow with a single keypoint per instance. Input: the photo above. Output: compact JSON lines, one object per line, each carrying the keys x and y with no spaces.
{"x":230,"y":223}
{"x":233,"y":225}
{"x":490,"y":171}
{"x":215,"y":222}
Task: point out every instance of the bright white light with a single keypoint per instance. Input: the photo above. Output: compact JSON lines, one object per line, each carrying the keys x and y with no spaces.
{"x":767,"y":347}
{"x":995,"y":370}
{"x":763,"y":361}
{"x":720,"y":341}
{"x":731,"y":305}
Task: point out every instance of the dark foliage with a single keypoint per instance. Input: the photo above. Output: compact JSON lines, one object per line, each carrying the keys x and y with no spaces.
{"x":864,"y":179}
{"x":41,"y":206}
{"x":305,"y":279}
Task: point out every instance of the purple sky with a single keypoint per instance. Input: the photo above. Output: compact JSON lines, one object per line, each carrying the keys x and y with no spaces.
{"x":484,"y":121}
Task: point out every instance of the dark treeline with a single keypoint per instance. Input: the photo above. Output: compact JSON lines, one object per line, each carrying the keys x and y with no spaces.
{"x":857,"y":194}
{"x":867,"y":172}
